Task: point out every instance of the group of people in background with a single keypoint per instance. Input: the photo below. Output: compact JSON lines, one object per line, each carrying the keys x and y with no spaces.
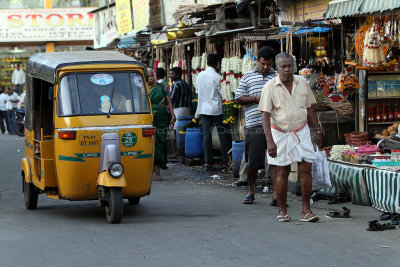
{"x":11,"y":100}
{"x":277,"y":108}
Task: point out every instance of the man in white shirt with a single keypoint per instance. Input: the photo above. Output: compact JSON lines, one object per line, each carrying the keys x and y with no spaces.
{"x":209,"y":107}
{"x":3,"y":112}
{"x":14,"y":99}
{"x":18,"y":79}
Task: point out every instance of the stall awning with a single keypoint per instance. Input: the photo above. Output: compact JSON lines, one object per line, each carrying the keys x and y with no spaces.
{"x":345,"y":8}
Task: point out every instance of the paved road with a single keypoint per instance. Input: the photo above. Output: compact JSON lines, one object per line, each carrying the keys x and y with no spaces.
{"x":188,"y":220}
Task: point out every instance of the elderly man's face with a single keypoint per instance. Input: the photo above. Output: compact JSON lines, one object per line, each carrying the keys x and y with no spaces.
{"x":285,"y":69}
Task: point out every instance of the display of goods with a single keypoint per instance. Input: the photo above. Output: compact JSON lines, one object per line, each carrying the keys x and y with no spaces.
{"x":231,"y":70}
{"x":373,"y":53}
{"x":389,"y":132}
{"x":327,"y":84}
{"x":347,"y":82}
{"x":350,"y":155}
{"x":357,"y":138}
{"x":337,"y":151}
{"x":368,"y":149}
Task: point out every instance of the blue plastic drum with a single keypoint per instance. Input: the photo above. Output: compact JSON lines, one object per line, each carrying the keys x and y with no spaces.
{"x":194,"y":142}
{"x":237,"y":154}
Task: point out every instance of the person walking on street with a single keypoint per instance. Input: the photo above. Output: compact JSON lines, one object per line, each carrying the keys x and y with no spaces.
{"x":209,"y":107}
{"x":13,"y":99}
{"x":248,"y":94}
{"x":180,"y":93}
{"x":3,"y":112}
{"x":286,"y":107}
{"x":160,"y":102}
{"x":18,"y":79}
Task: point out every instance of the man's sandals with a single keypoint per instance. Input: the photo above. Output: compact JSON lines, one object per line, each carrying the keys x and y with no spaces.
{"x":309,"y":217}
{"x":249,"y":199}
{"x":285,"y":218}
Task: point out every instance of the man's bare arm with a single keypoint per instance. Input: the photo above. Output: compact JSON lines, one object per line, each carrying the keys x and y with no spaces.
{"x":248,"y":100}
{"x":266,"y":122}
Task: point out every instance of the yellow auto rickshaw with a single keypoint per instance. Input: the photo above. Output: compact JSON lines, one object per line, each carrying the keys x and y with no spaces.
{"x":88,"y":129}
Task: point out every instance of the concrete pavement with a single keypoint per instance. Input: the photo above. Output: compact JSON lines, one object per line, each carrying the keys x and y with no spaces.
{"x":192,"y":218}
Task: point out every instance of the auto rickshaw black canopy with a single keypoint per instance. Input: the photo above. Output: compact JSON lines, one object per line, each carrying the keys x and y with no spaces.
{"x":45,"y":65}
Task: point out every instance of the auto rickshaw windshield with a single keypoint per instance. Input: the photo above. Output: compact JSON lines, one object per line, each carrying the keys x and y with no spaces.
{"x":102,"y":93}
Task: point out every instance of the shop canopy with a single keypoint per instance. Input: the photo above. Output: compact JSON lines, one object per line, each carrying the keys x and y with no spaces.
{"x":305,"y":29}
{"x":345,"y":8}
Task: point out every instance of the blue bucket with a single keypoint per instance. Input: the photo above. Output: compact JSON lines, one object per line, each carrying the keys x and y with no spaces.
{"x":194,"y":142}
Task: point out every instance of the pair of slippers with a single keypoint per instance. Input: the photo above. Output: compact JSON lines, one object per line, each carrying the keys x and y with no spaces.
{"x":375,"y":226}
{"x":309,"y":217}
{"x":390,"y":216}
{"x":339,"y":214}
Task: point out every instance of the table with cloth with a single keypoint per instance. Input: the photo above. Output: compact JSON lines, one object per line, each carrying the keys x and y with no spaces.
{"x":366,"y":185}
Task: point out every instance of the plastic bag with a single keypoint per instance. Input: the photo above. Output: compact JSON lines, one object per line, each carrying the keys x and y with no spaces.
{"x":320,"y":171}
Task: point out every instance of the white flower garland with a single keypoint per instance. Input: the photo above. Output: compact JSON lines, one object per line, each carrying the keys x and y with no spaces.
{"x":161,"y":65}
{"x":204,"y":61}
{"x":196,"y":65}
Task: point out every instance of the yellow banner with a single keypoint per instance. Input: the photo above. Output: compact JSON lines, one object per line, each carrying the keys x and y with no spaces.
{"x":310,"y":10}
{"x":141,"y":14}
{"x":124,"y":17}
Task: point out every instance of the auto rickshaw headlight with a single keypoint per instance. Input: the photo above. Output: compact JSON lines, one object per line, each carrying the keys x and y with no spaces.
{"x":116,"y":170}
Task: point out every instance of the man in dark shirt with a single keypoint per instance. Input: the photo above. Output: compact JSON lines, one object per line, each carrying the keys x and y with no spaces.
{"x":180,"y":93}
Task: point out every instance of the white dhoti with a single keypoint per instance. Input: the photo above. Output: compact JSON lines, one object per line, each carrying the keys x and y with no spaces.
{"x":292,"y":147}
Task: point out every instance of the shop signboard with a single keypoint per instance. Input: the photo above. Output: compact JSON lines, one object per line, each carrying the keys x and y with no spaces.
{"x":124,"y":16}
{"x":141,"y":14}
{"x":38,"y":25}
{"x":156,"y":14}
{"x":105,"y":27}
{"x":310,"y":10}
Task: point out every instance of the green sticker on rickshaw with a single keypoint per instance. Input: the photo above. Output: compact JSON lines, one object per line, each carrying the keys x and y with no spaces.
{"x":129,"y":139}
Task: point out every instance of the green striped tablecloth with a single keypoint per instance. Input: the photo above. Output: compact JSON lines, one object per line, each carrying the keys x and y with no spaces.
{"x":383,"y":187}
{"x":349,"y":179}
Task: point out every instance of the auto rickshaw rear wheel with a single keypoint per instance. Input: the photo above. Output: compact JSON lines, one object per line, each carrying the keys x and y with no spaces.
{"x":134,"y":200}
{"x":30,"y":195}
{"x":115,"y":205}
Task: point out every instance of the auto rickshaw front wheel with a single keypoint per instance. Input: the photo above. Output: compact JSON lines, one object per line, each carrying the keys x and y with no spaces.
{"x":30,"y":195}
{"x":115,"y":205}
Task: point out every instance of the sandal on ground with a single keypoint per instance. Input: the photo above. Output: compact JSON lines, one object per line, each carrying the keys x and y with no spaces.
{"x":249,"y":199}
{"x":285,"y":218}
{"x":275,"y":203}
{"x":385,"y":216}
{"x":339,"y":214}
{"x":309,"y":217}
{"x":395,"y":220}
{"x":375,"y":226}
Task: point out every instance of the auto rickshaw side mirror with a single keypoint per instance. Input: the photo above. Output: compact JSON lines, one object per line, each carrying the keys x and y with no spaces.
{"x":51,"y":93}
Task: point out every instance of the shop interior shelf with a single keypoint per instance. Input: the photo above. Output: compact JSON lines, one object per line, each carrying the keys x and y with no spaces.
{"x":383,"y":122}
{"x":382,"y":97}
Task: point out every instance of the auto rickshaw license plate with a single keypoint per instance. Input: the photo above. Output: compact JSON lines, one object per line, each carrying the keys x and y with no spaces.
{"x":89,"y":140}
